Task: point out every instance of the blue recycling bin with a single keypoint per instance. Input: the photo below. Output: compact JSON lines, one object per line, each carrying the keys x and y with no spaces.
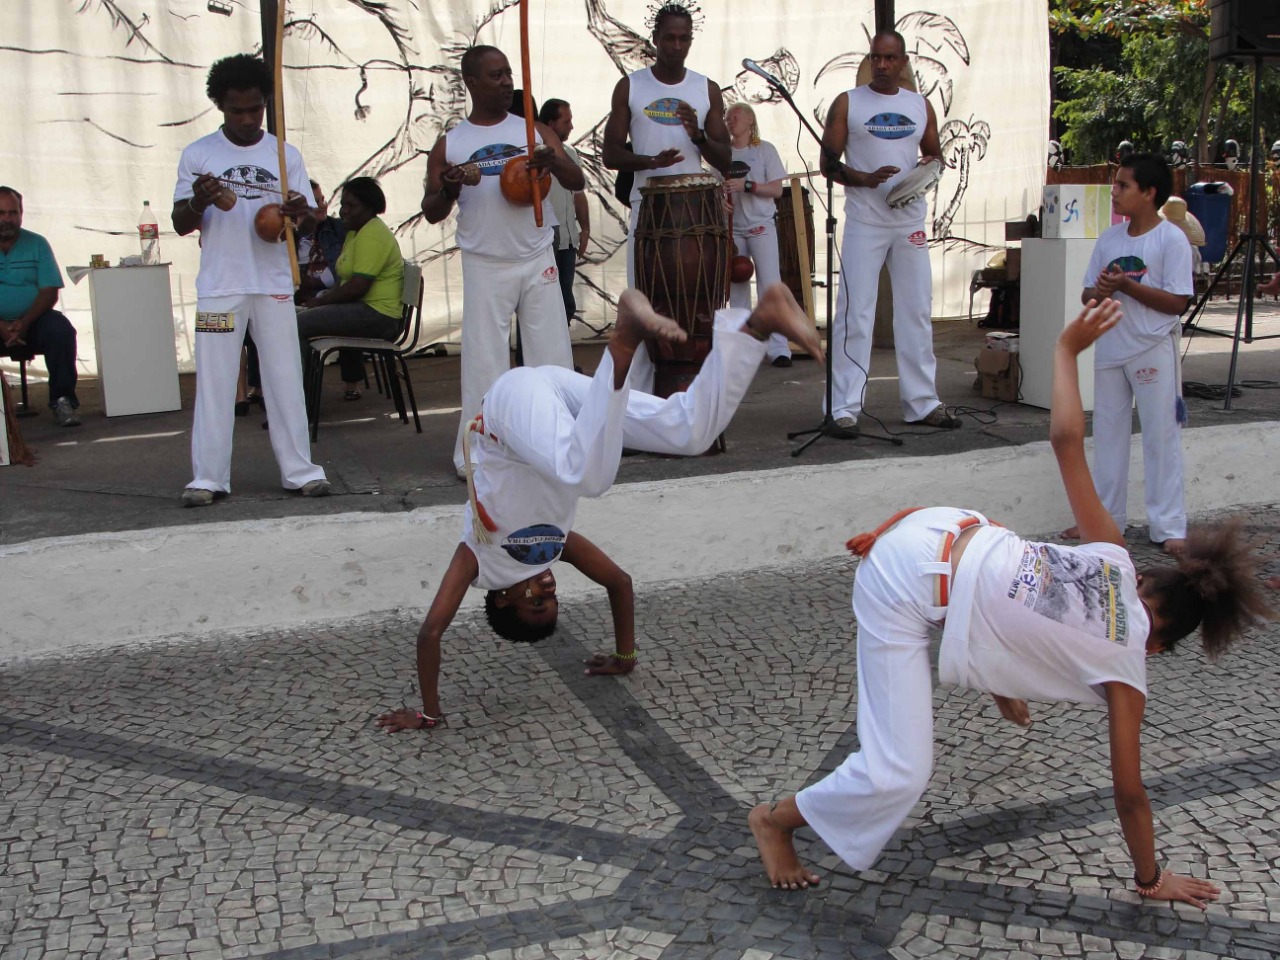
{"x":1210,"y":203}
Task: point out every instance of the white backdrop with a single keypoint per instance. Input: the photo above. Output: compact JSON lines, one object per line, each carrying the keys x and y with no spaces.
{"x":105,"y":93}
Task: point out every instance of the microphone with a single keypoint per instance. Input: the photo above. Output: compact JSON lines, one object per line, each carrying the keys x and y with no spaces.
{"x":764,"y":74}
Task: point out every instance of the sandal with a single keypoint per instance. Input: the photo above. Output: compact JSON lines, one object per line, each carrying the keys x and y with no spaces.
{"x":351,"y":395}
{"x":242,"y":408}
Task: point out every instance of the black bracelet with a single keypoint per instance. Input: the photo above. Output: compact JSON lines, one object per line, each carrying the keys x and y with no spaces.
{"x":701,"y":138}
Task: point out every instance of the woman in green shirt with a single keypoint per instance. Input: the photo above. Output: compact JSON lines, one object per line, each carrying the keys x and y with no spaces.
{"x":370,"y":272}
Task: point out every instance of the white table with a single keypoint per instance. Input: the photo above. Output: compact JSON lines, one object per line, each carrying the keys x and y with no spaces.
{"x":1052,"y":275}
{"x":134,"y":339}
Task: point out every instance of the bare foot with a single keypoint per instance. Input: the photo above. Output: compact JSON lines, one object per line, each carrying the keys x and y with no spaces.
{"x":1013,"y":710}
{"x":778,"y":312}
{"x":1271,"y":288}
{"x":637,"y":320}
{"x":1071,"y":533}
{"x":777,"y":853}
{"x":1175,"y":546}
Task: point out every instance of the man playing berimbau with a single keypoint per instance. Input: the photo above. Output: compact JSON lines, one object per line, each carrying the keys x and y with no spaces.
{"x":245,"y":282}
{"x":508,"y":261}
{"x":546,"y":437}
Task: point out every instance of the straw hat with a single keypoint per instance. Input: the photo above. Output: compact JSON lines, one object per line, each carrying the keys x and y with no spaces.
{"x":1175,"y":211}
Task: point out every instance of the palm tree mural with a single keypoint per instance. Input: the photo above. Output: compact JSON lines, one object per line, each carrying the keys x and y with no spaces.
{"x":962,"y":142}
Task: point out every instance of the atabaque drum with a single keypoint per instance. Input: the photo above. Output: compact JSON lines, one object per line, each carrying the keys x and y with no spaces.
{"x":682,"y":252}
{"x":788,"y":249}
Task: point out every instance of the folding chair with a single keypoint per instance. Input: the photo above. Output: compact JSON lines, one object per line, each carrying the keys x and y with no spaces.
{"x":387,"y":356}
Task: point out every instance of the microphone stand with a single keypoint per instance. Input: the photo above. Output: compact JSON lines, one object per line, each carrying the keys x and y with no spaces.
{"x":820,"y":430}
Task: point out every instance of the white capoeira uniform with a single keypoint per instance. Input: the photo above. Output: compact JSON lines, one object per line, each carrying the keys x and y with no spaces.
{"x":755,"y":234}
{"x":1027,"y":620}
{"x":884,"y":131}
{"x":656,"y":127}
{"x":551,"y":436}
{"x":244,"y":283}
{"x":508,"y":267}
{"x":1138,"y":360}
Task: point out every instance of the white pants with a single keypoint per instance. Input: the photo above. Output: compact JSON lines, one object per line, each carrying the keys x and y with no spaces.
{"x":493,"y":290}
{"x":762,"y":248}
{"x":857,"y":807}
{"x":273,"y":322}
{"x":864,"y":249}
{"x":1151,"y":379}
{"x":642,"y":370}
{"x":571,"y":428}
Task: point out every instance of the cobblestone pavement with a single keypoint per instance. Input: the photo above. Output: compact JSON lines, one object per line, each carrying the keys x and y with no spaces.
{"x":233,"y":798}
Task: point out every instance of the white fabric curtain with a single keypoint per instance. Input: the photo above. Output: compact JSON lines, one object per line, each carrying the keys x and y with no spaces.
{"x":103,"y":95}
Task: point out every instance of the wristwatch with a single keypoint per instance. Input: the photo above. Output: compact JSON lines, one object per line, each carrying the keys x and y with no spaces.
{"x":749,"y":186}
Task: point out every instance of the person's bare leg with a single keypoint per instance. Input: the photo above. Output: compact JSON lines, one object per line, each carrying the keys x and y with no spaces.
{"x":1071,"y":533}
{"x":778,"y":312}
{"x":636,"y":321}
{"x":772,"y":825}
{"x":1013,"y":710}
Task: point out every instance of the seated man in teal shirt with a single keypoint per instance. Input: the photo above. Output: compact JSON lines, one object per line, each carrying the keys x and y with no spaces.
{"x":370,"y":274}
{"x":29,"y":285}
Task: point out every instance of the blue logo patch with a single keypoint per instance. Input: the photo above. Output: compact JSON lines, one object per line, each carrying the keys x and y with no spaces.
{"x":535,"y":546}
{"x":493,"y":158}
{"x":1130,"y":266}
{"x":663,"y":111}
{"x":890,"y":126}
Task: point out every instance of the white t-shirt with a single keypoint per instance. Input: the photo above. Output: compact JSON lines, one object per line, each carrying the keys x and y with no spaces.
{"x":1160,"y":258}
{"x":233,"y":259}
{"x":1041,"y":621}
{"x":884,"y":130}
{"x":488,"y":223}
{"x":655,"y":126}
{"x":751,"y":210}
{"x":561,"y":201}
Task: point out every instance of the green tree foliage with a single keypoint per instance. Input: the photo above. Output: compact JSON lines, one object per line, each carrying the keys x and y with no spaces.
{"x":1163,"y":88}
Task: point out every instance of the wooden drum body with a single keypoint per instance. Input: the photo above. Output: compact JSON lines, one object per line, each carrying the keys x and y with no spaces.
{"x":682,"y":252}
{"x":788,"y":250}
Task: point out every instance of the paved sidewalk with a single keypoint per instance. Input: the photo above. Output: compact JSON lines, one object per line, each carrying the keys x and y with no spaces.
{"x":232,"y":798}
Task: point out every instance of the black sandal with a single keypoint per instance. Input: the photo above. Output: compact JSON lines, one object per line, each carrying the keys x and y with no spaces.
{"x":351,"y":395}
{"x":242,"y":408}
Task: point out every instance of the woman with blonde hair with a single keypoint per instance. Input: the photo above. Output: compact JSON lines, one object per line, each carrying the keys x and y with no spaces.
{"x":754,"y":193}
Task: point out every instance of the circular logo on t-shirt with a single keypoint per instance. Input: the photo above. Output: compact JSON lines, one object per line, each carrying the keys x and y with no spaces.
{"x":890,"y":126}
{"x":536,"y":545}
{"x":1130,"y":266}
{"x":493,"y":158}
{"x":663,"y":111}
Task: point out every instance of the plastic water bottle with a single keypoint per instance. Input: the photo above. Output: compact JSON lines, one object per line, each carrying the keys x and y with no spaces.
{"x":149,"y":235}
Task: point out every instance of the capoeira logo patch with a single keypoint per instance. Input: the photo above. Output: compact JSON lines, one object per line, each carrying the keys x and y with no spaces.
{"x":663,"y":111}
{"x":493,"y":158}
{"x":1072,"y":588}
{"x":215,"y":322}
{"x":890,"y":126}
{"x":918,"y":238}
{"x":537,"y":545}
{"x":757,"y":231}
{"x":1132,"y":267}
{"x":550,"y":275}
{"x":1146,"y":375}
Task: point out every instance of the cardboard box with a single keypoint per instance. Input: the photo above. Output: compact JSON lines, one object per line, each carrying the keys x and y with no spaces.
{"x":1002,"y":340}
{"x":999,"y":374}
{"x":1076,"y":211}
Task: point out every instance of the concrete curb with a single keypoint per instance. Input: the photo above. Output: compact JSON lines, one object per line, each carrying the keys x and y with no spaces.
{"x":99,"y":589}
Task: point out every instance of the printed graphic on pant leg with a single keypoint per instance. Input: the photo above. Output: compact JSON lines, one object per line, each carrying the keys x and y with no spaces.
{"x":215,"y":322}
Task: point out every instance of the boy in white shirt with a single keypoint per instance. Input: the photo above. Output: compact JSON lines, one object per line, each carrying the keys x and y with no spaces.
{"x":1145,"y":266}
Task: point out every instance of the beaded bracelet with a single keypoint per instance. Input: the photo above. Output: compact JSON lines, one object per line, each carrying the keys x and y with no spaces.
{"x":1149,"y":889}
{"x":429,"y":722}
{"x":624,"y":657}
